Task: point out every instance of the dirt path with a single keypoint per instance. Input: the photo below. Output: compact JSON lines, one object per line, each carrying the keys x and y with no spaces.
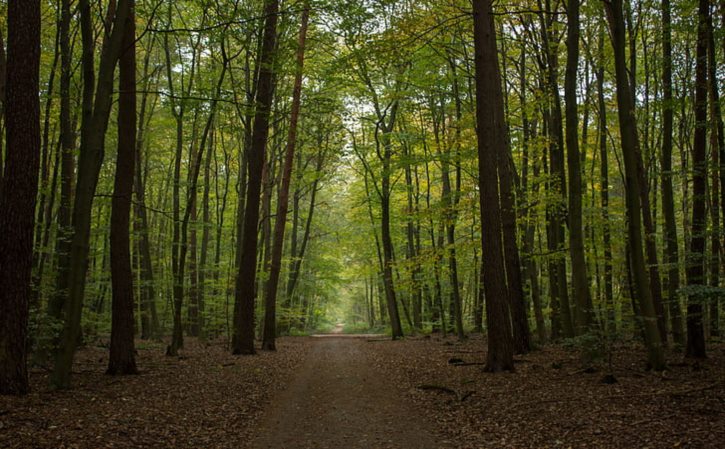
{"x":339,"y":399}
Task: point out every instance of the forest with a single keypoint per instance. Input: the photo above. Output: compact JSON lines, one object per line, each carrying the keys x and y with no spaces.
{"x":498,"y":222}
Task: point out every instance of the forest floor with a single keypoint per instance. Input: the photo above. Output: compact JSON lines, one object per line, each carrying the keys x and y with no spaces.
{"x":554,"y":400}
{"x":205,"y":398}
{"x":339,"y":399}
{"x":369,"y":392}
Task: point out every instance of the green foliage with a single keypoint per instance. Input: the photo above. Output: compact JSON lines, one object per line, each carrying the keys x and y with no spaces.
{"x":704,"y":294}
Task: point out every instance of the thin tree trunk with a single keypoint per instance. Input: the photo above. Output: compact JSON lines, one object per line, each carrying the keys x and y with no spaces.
{"x":696,"y":253}
{"x":584,"y":313}
{"x":67,"y":173}
{"x":628,"y":126}
{"x":149,"y":315}
{"x":270,"y":318}
{"x":96,"y":111}
{"x":668,"y":201}
{"x":717,"y":148}
{"x":610,"y":322}
{"x":556,"y":214}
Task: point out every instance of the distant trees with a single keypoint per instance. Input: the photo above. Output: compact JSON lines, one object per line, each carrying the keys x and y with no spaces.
{"x":430,"y":165}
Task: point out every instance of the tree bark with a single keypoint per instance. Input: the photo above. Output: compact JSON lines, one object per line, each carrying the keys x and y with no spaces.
{"x":556,"y":211}
{"x":668,"y":201}
{"x":19,"y":191}
{"x":270,"y":315}
{"x":122,"y":356}
{"x":696,"y":252}
{"x":243,"y":332}
{"x":717,"y":150}
{"x":149,"y":315}
{"x":583,"y":313}
{"x":96,"y":111}
{"x":610,"y":321}
{"x":630,"y":144}
{"x":491,"y":135}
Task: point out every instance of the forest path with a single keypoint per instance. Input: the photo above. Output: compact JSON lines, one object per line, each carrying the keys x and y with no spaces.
{"x":339,"y":399}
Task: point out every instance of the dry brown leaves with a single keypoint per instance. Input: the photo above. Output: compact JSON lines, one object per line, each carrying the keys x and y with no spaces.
{"x":551,"y":401}
{"x":206,"y":398}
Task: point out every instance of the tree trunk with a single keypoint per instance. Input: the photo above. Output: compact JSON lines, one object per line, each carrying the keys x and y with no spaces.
{"x":19,"y":191}
{"x":668,"y":201}
{"x":270,"y":315}
{"x":149,"y":315}
{"x":67,"y":171}
{"x":583,"y":313}
{"x":122,"y":356}
{"x":610,"y":321}
{"x":243,"y":333}
{"x":717,"y":148}
{"x":696,"y":253}
{"x":519,"y":317}
{"x":96,"y":111}
{"x":556,"y":212}
{"x":491,"y":142}
{"x":205,"y":234}
{"x":630,"y":144}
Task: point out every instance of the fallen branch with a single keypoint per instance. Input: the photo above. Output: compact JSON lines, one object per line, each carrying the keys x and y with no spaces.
{"x":466,"y":395}
{"x":429,"y":387}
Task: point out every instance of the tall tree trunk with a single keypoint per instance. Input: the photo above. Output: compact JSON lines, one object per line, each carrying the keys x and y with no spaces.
{"x":519,"y":317}
{"x":270,"y":315}
{"x":149,"y":315}
{"x":41,"y":224}
{"x":122,"y":357}
{"x":205,"y":233}
{"x":412,"y":216}
{"x":696,"y":253}
{"x":491,"y":135}
{"x":385,"y":234}
{"x":668,"y":198}
{"x":19,"y":191}
{"x":67,"y":172}
{"x":96,"y":111}
{"x":298,"y":256}
{"x":3,"y":88}
{"x":717,"y":148}
{"x":455,"y":200}
{"x":584,"y":313}
{"x":448,"y":228}
{"x":556,"y":213}
{"x":529,"y":272}
{"x":193,"y":308}
{"x":610,"y":322}
{"x":243,"y":333}
{"x":630,"y":145}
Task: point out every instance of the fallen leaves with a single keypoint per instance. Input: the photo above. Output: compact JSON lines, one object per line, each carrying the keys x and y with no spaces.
{"x":552,"y":401}
{"x":207,"y":398}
